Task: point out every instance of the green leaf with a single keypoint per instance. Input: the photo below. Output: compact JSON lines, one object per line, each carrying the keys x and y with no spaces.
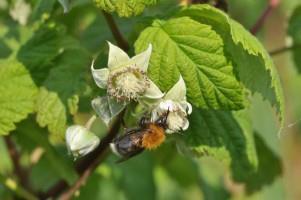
{"x":196,"y":52}
{"x":18,"y":93}
{"x":39,"y":51}
{"x":51,"y":112}
{"x":251,"y":61}
{"x":294,"y":30}
{"x":225,"y":135}
{"x":269,"y":167}
{"x":41,"y":8}
{"x":124,"y":8}
{"x":29,"y":131}
{"x":42,"y":47}
{"x":137,"y":176}
{"x":57,"y":97}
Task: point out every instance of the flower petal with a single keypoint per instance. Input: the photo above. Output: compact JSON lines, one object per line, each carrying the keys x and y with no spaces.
{"x":141,"y":60}
{"x":153,"y":92}
{"x":177,"y":92}
{"x":151,"y":96}
{"x":100,"y":76}
{"x":189,"y":108}
{"x":116,"y":56}
{"x":186,"y":107}
{"x":168,"y":131}
{"x":186,"y":125}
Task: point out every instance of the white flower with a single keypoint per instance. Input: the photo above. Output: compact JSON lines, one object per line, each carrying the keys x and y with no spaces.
{"x":125,"y":78}
{"x":80,"y":141}
{"x":174,"y":102}
{"x":20,"y":12}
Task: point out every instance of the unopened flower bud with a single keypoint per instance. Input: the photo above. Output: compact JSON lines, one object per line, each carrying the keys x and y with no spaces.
{"x":80,"y":141}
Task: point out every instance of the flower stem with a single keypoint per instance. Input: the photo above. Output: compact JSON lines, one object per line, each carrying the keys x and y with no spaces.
{"x":121,"y":42}
{"x":15,"y":157}
{"x":90,"y":122}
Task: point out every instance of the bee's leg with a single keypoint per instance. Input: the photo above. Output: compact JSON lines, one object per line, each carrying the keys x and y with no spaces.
{"x":144,"y":121}
{"x":134,"y":153}
{"x":166,"y":116}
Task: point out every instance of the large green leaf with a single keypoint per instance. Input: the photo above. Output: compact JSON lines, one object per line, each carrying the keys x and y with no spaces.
{"x":196,"y":52}
{"x":42,"y":47}
{"x":294,"y":30}
{"x":251,"y":61}
{"x":17,"y":94}
{"x":51,"y":112}
{"x":269,"y":167}
{"x":38,"y":52}
{"x":124,"y":8}
{"x":225,"y":135}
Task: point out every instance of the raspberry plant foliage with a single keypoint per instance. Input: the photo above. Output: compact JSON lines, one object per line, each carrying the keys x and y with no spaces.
{"x":46,"y":82}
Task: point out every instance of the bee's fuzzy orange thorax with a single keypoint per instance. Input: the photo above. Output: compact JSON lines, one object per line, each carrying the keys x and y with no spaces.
{"x":154,"y":137}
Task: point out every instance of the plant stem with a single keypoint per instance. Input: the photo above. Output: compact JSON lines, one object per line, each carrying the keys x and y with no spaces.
{"x":221,"y":4}
{"x":15,"y":157}
{"x":14,"y":187}
{"x":121,"y":42}
{"x":257,"y":26}
{"x":284,"y":49}
{"x":87,"y":165}
{"x":83,"y":178}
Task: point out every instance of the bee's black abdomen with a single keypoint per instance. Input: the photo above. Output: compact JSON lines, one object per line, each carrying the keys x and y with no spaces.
{"x":128,"y":145}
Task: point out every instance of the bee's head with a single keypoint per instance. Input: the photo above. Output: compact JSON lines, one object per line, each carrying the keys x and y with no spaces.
{"x":162,"y":120}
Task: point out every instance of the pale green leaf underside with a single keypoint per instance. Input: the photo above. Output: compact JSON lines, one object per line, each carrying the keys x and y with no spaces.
{"x":224,"y":135}
{"x":196,"y":52}
{"x":253,"y":64}
{"x":294,"y":30}
{"x":17,"y":94}
{"x":124,"y":8}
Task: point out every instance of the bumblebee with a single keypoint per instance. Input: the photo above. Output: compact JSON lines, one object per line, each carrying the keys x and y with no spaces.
{"x":148,"y":135}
